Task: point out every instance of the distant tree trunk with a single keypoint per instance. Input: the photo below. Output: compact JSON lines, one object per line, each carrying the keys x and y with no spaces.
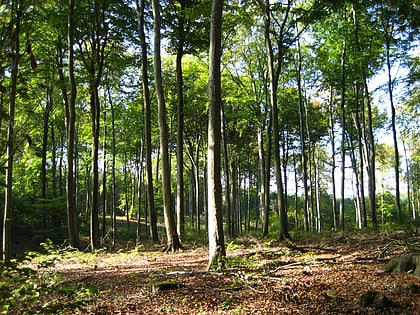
{"x":113,"y":179}
{"x":16,"y":15}
{"x":180,"y":200}
{"x":263,"y":206}
{"x":274,"y":76}
{"x":393,"y":123}
{"x":94,"y":209}
{"x":268,"y":166}
{"x":369,"y":139}
{"x":228,"y":200}
{"x":234,"y":196}
{"x":358,"y":117}
{"x":302,"y":117}
{"x":46,"y":120}
{"x":173,"y":242}
{"x":127,"y":191}
{"x":147,"y":123}
{"x":104,"y":181}
{"x":343,"y":133}
{"x":215,"y":215}
{"x":318,"y":194}
{"x":140,"y":169}
{"x":197,"y":184}
{"x":71,"y":120}
{"x":333,"y":162}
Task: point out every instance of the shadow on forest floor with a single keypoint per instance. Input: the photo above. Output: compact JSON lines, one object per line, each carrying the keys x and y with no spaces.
{"x":325,"y":275}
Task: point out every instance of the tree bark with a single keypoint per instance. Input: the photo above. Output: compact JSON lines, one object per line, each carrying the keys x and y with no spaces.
{"x":173,"y":242}
{"x":147,"y":123}
{"x":302,"y":143}
{"x":16,"y":15}
{"x":274,"y":75}
{"x":71,"y":193}
{"x":343,"y":133}
{"x":180,"y":200}
{"x":215,"y":216}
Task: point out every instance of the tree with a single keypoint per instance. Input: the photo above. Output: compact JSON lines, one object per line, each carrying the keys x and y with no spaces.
{"x":274,"y":74}
{"x":215,"y":217}
{"x":15,"y":23}
{"x":71,"y":120}
{"x":172,"y":242}
{"x":147,"y":122}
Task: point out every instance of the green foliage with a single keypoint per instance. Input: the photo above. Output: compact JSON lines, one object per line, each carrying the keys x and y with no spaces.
{"x":26,"y":291}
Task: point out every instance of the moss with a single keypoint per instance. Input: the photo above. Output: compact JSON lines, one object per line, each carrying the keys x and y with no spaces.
{"x":163,"y":286}
{"x":374,"y":298}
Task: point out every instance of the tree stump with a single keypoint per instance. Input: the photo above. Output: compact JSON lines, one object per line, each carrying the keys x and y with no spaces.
{"x":404,"y":264}
{"x":374,"y":298}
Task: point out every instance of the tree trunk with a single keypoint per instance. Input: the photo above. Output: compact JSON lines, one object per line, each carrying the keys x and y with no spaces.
{"x":113,"y":179}
{"x":369,"y":142}
{"x":274,"y":75}
{"x":104,"y":181}
{"x":46,"y":118}
{"x":147,"y":123}
{"x":215,"y":215}
{"x":94,"y":209}
{"x":228,"y":203}
{"x":180,"y":200}
{"x":263,"y":192}
{"x":343,"y":133}
{"x":302,"y":143}
{"x":173,"y":242}
{"x":71,"y":120}
{"x":16,"y":15}
{"x":393,"y":126}
{"x":333,"y":163}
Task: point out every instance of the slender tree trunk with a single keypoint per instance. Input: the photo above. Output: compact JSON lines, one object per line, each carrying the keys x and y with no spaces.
{"x":343,"y":133}
{"x":94,"y":209}
{"x":215,"y":215}
{"x":228,"y":201}
{"x":274,"y":75}
{"x":173,"y":242}
{"x":180,"y":201}
{"x":370,"y":141}
{"x":263,"y":206}
{"x":147,"y":123}
{"x":46,"y":120}
{"x":234,"y":196}
{"x":71,"y":121}
{"x":104,"y":181}
{"x":333,"y":162}
{"x":140,"y":168}
{"x":16,"y":15}
{"x":393,"y":127}
{"x":302,"y":143}
{"x":113,"y":177}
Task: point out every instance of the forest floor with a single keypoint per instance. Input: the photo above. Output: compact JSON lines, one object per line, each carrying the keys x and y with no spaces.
{"x":330,"y":275}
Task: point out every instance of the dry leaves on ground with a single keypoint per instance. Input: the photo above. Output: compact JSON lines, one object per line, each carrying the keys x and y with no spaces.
{"x":327,"y":276}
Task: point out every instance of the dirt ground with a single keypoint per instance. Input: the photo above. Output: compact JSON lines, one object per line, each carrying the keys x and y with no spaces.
{"x":338,"y":275}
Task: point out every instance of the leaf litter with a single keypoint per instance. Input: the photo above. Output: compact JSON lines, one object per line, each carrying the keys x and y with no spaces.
{"x":315,"y":276}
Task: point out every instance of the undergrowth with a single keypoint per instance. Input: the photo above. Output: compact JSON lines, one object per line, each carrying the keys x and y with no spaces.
{"x":28,"y":290}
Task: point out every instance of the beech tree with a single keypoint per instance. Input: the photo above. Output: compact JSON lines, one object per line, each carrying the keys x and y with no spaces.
{"x":16,"y":12}
{"x":172,"y":242}
{"x":215,"y":216}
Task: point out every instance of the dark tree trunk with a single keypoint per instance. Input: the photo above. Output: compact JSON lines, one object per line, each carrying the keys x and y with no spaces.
{"x":147,"y":123}
{"x":16,"y":15}
{"x":71,"y":120}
